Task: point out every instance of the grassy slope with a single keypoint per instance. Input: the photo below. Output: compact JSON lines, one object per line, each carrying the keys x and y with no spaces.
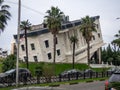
{"x":60,"y":67}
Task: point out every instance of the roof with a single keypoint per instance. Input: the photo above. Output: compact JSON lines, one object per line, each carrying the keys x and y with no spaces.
{"x":64,"y":26}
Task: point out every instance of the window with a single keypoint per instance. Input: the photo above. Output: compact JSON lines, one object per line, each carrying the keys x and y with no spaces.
{"x":93,"y":37}
{"x":25,"y":58}
{"x":22,"y":47}
{"x":49,"y":56}
{"x":99,"y":35}
{"x":46,"y":43}
{"x":58,"y":52}
{"x":97,"y":26}
{"x":32,"y":46}
{"x":35,"y":58}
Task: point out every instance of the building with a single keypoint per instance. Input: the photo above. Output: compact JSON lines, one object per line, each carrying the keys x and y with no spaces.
{"x":40,"y":44}
{"x":13,"y":48}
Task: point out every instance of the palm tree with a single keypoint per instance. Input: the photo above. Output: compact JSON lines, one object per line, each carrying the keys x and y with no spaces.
{"x":4,"y":15}
{"x":116,"y":42}
{"x":73,"y":40}
{"x":53,"y":21}
{"x":26,"y":25}
{"x":87,"y":27}
{"x":118,"y":35}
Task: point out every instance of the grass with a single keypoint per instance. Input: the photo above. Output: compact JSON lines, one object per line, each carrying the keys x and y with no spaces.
{"x":99,"y":69}
{"x":60,"y":67}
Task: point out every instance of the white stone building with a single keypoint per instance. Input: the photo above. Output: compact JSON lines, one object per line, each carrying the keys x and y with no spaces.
{"x":40,"y":44}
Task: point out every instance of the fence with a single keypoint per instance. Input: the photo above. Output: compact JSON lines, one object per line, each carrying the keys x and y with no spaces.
{"x":24,"y":79}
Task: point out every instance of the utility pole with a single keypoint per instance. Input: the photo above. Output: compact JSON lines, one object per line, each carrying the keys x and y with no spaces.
{"x":18,"y":41}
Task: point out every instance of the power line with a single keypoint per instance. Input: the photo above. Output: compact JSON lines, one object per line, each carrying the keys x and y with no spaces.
{"x":27,"y":7}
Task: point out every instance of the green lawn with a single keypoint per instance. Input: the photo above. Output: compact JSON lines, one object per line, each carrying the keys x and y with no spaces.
{"x":59,"y":67}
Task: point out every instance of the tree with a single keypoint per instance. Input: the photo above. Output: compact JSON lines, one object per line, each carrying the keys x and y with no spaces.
{"x":9,"y":63}
{"x":26,"y":25}
{"x":117,"y":35}
{"x":73,"y":40}
{"x":4,"y":15}
{"x":104,"y":55}
{"x":87,"y":27}
{"x":53,"y":21}
{"x":116,"y":42}
{"x":116,"y":49}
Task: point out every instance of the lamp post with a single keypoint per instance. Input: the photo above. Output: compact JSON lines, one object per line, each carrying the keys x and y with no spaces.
{"x":18,"y":41}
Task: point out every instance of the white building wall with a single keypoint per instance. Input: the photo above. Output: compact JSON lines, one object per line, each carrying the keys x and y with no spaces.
{"x":64,"y":45}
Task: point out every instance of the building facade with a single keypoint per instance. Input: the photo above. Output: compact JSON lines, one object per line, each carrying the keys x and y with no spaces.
{"x":40,"y":44}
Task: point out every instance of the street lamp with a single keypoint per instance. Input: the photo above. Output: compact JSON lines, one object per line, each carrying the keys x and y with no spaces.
{"x":18,"y":41}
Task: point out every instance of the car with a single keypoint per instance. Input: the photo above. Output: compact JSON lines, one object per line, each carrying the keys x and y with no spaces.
{"x":115,"y":77}
{"x":71,"y":72}
{"x":88,"y":71}
{"x":10,"y":75}
{"x":112,"y":70}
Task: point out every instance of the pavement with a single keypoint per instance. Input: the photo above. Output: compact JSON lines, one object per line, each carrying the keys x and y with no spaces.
{"x":39,"y":88}
{"x":96,"y":85}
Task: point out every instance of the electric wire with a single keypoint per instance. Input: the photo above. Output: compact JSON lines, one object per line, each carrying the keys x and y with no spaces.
{"x":24,"y":6}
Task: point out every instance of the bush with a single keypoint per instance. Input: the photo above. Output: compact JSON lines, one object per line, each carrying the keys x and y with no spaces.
{"x":115,"y":85}
{"x":9,"y":63}
{"x":48,"y":72}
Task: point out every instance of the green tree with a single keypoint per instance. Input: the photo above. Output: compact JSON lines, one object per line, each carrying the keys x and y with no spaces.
{"x":53,"y":21}
{"x":118,"y":34}
{"x":4,"y":15}
{"x":87,"y":27}
{"x":9,"y":63}
{"x":116,"y":48}
{"x":73,"y":40}
{"x":116,"y":44}
{"x":26,"y":25}
{"x":104,"y":55}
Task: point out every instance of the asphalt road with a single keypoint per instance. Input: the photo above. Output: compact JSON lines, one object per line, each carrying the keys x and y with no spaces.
{"x":96,"y":85}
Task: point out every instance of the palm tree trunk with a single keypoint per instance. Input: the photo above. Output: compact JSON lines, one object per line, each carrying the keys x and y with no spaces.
{"x":73,"y":54}
{"x":54,"y":51}
{"x":26,"y":49}
{"x":88,"y":52}
{"x":54,"y":48}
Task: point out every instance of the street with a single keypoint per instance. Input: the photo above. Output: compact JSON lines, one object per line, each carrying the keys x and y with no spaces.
{"x":96,"y":85}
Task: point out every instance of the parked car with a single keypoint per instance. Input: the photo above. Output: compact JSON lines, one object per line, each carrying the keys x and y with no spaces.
{"x":115,"y":77}
{"x":87,"y":71}
{"x":10,"y":75}
{"x":70,"y":72}
{"x":112,"y":70}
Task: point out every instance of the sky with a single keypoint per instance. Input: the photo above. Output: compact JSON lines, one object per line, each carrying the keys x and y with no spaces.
{"x":35,"y":10}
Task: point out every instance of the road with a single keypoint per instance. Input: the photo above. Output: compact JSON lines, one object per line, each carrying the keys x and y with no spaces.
{"x":96,"y":85}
